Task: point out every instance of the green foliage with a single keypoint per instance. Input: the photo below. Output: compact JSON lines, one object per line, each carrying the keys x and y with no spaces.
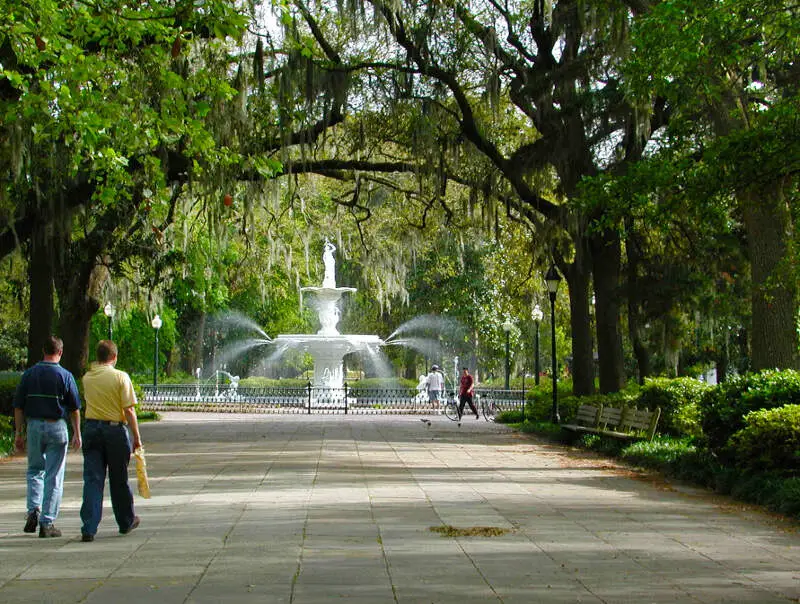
{"x":383,"y":383}
{"x":679,"y":400}
{"x":8,"y":386}
{"x":770,"y":440}
{"x":509,"y":417}
{"x":147,"y":416}
{"x":680,"y":458}
{"x":723,"y":409}
{"x":135,"y":339}
{"x":262,"y":382}
{"x":605,"y":445}
{"x":6,"y":436}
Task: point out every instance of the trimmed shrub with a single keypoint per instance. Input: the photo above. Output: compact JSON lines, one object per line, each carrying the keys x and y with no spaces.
{"x":679,"y":400}
{"x":724,"y":408}
{"x":512,"y":416}
{"x":770,"y":439}
{"x":6,"y":436}
{"x":8,"y":386}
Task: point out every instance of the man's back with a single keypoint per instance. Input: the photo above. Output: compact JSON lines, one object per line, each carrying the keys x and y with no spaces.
{"x":435,"y":381}
{"x":107,"y":392}
{"x":47,"y":391}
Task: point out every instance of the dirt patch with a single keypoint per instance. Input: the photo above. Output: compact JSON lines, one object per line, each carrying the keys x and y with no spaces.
{"x":470,"y":531}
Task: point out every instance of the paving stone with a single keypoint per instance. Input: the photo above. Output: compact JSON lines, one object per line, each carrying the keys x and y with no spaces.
{"x":280,"y":508}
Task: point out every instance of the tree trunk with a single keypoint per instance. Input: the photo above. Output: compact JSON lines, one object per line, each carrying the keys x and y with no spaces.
{"x":634,"y":256}
{"x":606,"y":261}
{"x":671,"y":345}
{"x":768,"y":223}
{"x":79,"y":302}
{"x":577,"y":276}
{"x":40,"y":279}
{"x":410,"y":364}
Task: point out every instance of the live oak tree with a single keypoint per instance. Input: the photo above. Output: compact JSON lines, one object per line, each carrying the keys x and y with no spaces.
{"x":730,"y":70}
{"x":534,"y":90}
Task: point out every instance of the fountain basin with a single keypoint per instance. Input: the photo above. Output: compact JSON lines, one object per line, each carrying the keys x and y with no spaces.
{"x":328,"y":351}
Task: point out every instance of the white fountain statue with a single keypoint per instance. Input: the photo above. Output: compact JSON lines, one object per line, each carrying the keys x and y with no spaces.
{"x":328,"y":346}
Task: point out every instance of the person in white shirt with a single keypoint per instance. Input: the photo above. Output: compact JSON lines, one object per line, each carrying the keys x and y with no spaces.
{"x":435,"y":384}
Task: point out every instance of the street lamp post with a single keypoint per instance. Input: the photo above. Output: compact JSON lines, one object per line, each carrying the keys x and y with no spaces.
{"x":536,"y":315}
{"x":109,"y":311}
{"x":552,"y":278}
{"x":156,"y":323}
{"x":507,"y":327}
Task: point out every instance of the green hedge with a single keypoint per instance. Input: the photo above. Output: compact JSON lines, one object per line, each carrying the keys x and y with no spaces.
{"x":679,"y":400}
{"x":770,"y":440}
{"x":8,"y":385}
{"x":723,"y":408}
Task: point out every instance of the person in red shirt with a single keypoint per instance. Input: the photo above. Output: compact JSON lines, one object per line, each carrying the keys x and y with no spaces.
{"x":465,"y":393}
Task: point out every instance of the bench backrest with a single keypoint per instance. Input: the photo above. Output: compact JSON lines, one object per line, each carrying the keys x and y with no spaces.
{"x":640,"y":420}
{"x":588,"y":415}
{"x":610,"y":418}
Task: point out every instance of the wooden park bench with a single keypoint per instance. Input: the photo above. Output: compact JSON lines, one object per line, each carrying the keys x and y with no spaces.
{"x":617,"y":422}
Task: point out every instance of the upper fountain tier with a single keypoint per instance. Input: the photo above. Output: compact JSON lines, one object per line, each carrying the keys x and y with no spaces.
{"x":328,"y":295}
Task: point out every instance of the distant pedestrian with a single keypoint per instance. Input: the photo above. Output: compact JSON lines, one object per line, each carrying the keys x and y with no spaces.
{"x":465,"y":393}
{"x":435,"y":384}
{"x":46,"y":395}
{"x":110,"y":413}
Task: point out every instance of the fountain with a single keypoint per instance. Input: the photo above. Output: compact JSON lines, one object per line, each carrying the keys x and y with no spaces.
{"x":328,"y":347}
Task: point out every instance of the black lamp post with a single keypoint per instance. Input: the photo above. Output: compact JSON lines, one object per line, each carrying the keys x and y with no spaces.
{"x":507,"y":327}
{"x":109,"y":311}
{"x":537,"y":315}
{"x":552,"y":278}
{"x":156,"y":323}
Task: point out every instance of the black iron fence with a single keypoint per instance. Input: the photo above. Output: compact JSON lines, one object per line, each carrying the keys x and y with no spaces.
{"x":309,"y":399}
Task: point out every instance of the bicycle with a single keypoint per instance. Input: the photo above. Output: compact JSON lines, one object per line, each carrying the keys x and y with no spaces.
{"x":451,"y":404}
{"x":450,"y":407}
{"x":490,"y":409}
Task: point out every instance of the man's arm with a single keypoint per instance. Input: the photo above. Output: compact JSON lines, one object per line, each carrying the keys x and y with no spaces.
{"x":73,"y":400}
{"x":75,"y":420}
{"x":133,"y":424}
{"x":19,"y":429}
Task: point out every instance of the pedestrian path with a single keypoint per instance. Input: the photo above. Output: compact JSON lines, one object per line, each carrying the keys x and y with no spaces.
{"x":308,"y":509}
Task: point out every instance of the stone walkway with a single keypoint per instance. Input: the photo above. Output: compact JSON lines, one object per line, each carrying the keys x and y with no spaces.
{"x":317,"y":508}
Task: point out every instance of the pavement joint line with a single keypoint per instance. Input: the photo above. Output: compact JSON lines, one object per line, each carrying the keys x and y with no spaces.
{"x":370,"y":497}
{"x":301,"y":554}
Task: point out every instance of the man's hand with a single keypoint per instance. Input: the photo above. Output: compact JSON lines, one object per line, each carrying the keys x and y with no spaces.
{"x":19,"y":442}
{"x":76,"y":442}
{"x":137,"y":442}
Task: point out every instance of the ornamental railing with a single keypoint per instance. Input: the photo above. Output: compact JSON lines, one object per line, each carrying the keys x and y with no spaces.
{"x":308,"y":399}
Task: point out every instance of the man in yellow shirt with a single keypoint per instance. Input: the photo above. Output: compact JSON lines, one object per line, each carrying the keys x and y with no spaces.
{"x":110,"y":414}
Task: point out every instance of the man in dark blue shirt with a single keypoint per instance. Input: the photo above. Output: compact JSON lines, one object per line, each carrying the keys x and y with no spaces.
{"x":47,"y":394}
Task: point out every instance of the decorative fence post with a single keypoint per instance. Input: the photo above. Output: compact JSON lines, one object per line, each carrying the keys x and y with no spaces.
{"x":345,"y":398}
{"x":309,"y":397}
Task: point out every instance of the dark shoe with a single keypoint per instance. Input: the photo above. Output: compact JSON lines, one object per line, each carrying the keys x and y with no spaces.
{"x":133,"y":525}
{"x":87,"y":538}
{"x":32,"y":522}
{"x":48,"y":531}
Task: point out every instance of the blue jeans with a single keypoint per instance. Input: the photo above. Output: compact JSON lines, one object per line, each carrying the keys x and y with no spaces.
{"x":47,"y":458}
{"x":106,"y":446}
